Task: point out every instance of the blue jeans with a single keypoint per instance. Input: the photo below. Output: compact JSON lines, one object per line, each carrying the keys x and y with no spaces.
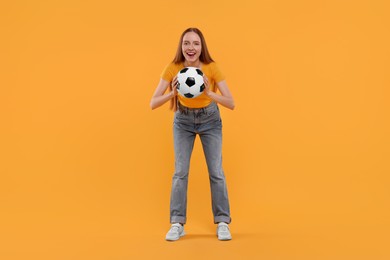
{"x":206,"y":122}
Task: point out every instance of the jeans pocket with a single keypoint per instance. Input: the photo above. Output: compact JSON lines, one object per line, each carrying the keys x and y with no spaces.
{"x":211,"y":113}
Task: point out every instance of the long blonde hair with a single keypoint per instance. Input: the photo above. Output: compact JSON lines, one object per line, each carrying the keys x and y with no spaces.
{"x":204,"y":57}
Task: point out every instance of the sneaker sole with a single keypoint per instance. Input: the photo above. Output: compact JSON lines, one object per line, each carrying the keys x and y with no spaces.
{"x":224,"y":238}
{"x":175,"y":239}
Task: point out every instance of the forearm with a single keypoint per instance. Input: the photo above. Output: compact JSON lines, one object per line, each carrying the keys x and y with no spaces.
{"x":158,"y":101}
{"x":225,"y":101}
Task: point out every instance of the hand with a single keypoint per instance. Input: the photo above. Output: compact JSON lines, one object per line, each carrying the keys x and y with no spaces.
{"x":206,"y":86}
{"x":174,"y":86}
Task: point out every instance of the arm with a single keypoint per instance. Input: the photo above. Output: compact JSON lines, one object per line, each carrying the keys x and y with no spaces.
{"x":159,"y":98}
{"x":225,"y":99}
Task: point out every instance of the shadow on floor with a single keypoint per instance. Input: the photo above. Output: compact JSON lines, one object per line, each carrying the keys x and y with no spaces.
{"x":235,"y":236}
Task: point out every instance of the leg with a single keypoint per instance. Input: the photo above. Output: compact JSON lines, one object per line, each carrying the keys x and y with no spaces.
{"x":212,"y":148}
{"x":183,"y":144}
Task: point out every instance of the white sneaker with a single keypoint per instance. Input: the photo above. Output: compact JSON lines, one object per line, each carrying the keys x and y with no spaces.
{"x":176,"y":231}
{"x":223,"y":231}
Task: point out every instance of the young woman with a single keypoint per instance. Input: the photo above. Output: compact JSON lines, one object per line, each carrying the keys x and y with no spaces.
{"x":197,"y":116}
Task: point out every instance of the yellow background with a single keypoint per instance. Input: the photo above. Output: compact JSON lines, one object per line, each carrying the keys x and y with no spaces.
{"x":86,"y":166}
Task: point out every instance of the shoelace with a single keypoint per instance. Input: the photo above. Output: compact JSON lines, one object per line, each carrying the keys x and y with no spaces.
{"x":223,"y":228}
{"x":175,"y":229}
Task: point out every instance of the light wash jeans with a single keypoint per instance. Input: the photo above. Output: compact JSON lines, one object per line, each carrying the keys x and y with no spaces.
{"x":206,"y":122}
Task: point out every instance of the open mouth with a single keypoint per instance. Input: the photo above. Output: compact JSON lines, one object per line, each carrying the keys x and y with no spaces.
{"x":191,"y":54}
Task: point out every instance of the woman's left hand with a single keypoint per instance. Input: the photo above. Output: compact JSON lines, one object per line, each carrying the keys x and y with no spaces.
{"x":206,"y":85}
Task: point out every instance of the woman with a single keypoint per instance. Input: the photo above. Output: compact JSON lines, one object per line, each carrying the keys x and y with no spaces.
{"x":200,"y":116}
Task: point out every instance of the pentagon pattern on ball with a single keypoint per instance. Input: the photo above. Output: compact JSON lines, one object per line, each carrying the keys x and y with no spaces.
{"x":188,"y":95}
{"x":190,"y":81}
{"x":183,"y":70}
{"x":199,"y":72}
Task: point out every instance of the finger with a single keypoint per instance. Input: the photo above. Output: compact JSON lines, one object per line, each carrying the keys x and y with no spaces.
{"x":174,"y":82}
{"x":206,"y":80}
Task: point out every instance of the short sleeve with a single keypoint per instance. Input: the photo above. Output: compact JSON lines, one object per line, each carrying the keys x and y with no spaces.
{"x":167,"y":73}
{"x":217,"y":73}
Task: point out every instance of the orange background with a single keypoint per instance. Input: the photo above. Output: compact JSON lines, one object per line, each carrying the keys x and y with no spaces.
{"x":86,"y":166}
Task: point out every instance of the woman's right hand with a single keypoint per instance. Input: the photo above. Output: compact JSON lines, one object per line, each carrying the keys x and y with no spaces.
{"x":174,"y":86}
{"x":160,"y":95}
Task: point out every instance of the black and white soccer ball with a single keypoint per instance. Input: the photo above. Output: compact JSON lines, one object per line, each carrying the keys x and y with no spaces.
{"x":190,"y":82}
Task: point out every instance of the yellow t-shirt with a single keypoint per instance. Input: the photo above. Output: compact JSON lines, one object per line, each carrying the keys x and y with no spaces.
{"x":211,"y":71}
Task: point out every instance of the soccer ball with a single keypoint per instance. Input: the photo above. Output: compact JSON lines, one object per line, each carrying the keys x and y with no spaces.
{"x":190,"y":82}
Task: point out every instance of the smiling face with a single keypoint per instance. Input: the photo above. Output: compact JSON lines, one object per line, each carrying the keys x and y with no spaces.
{"x":191,"y":48}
